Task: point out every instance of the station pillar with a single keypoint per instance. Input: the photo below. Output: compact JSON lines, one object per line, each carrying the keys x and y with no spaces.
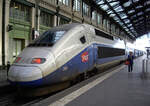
{"x":4,"y":18}
{"x":1,"y":4}
{"x":6,"y":32}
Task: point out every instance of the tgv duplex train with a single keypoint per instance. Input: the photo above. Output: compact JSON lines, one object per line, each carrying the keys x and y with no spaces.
{"x":62,"y":53}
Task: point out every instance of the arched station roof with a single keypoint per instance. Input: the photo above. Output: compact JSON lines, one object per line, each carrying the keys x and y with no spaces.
{"x":131,"y":15}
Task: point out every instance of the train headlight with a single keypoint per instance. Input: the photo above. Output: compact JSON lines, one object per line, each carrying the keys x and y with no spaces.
{"x":38,"y":60}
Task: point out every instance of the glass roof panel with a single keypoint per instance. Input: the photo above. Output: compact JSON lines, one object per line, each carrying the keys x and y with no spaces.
{"x":123,"y":16}
{"x":115,"y":18}
{"x":136,"y":24}
{"x":131,"y":28}
{"x":114,"y":3}
{"x":124,"y":27}
{"x":127,"y":21}
{"x":105,"y":7}
{"x":148,"y":9}
{"x":112,"y":15}
{"x":110,"y":0}
{"x":133,"y":16}
{"x":118,"y":21}
{"x":135,"y":21}
{"x":121,"y":23}
{"x":141,"y":18}
{"x":142,"y":22}
{"x":131,"y":11}
{"x":109,"y":12}
{"x":148,"y":2}
{"x":119,"y":8}
{"x":127,"y":4}
{"x":140,"y":13}
{"x":137,"y":7}
{"x":129,"y":25}
{"x":127,"y":29}
{"x":135,"y":1}
{"x":119,"y":12}
{"x":134,"y":31}
{"x":99,"y":2}
{"x":130,"y":33}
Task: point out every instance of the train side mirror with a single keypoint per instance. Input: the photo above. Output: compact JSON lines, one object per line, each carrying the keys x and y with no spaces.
{"x":9,"y":28}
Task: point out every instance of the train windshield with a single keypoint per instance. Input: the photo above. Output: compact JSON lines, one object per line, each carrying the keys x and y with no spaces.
{"x":48,"y":38}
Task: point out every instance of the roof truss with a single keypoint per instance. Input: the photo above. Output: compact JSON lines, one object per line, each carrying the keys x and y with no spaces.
{"x":132,"y":15}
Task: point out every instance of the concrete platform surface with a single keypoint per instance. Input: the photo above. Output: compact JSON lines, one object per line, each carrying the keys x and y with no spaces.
{"x":116,"y":88}
{"x":3,"y":78}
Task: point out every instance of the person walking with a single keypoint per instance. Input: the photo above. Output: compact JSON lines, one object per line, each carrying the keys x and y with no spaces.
{"x":130,"y":59}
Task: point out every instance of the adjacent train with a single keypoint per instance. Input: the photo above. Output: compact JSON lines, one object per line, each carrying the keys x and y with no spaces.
{"x":63,"y":53}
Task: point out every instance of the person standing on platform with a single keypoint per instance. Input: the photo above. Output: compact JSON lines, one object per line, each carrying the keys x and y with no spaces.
{"x":130,"y":59}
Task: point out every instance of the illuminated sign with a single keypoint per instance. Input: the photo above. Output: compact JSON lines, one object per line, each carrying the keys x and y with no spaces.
{"x":85,"y":57}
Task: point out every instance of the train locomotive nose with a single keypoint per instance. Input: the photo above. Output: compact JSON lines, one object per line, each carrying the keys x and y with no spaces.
{"x":25,"y":76}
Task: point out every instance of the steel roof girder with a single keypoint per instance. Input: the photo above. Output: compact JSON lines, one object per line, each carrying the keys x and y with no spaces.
{"x":116,"y":14}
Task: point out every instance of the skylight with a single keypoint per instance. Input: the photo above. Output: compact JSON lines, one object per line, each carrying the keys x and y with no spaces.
{"x":132,"y":17}
{"x":114,"y":3}
{"x":129,"y":25}
{"x":104,"y":7}
{"x":112,"y":15}
{"x":114,"y":9}
{"x":116,"y":18}
{"x":127,"y":21}
{"x":148,"y":9}
{"x":109,"y":12}
{"x":131,"y":11}
{"x":118,"y":9}
{"x":127,"y":4}
{"x":135,"y":1}
{"x":140,"y":13}
{"x":123,"y":16}
{"x":148,"y":2}
{"x":139,"y":7}
{"x":100,"y":2}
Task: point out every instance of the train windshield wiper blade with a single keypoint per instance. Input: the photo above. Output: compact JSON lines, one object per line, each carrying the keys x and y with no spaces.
{"x":40,"y":44}
{"x":45,"y":44}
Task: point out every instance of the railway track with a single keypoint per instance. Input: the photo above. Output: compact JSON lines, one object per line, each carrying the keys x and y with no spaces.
{"x":13,"y":99}
{"x":6,"y":99}
{"x":10,"y":97}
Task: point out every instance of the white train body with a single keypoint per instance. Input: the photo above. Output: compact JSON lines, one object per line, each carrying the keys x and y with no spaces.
{"x":75,"y":49}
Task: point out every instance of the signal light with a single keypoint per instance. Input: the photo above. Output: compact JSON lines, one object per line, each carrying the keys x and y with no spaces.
{"x":38,"y":60}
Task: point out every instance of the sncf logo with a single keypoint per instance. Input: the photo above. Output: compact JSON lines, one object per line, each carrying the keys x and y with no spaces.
{"x":85,"y":57}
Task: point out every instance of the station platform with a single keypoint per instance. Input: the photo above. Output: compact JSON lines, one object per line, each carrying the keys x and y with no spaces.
{"x":122,"y":89}
{"x":116,"y":87}
{"x":3,"y":78}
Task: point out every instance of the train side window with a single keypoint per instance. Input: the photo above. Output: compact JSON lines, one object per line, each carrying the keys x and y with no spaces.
{"x":104,"y":52}
{"x":82,"y":39}
{"x":102,"y":34}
